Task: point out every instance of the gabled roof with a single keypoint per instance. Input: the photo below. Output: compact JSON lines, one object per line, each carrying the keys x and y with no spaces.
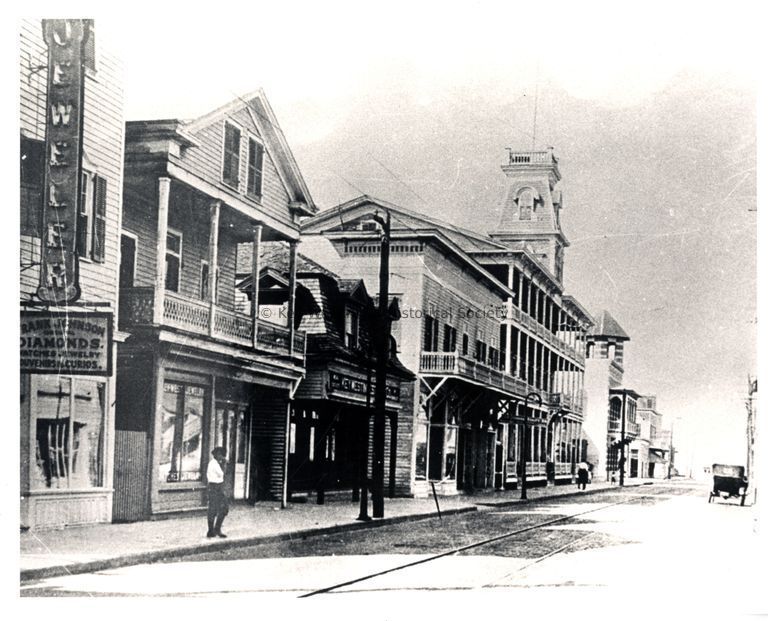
{"x":405,"y":224}
{"x":275,"y":256}
{"x":607,"y":326}
{"x":402,"y":218}
{"x":262,"y":115}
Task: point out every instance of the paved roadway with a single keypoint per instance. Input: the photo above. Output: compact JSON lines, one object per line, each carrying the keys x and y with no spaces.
{"x":654,"y":547}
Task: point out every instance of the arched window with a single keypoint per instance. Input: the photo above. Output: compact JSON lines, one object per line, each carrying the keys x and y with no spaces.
{"x":525,"y":204}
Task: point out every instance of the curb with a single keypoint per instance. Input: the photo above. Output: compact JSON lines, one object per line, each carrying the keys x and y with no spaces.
{"x":517,"y":501}
{"x":151,"y":556}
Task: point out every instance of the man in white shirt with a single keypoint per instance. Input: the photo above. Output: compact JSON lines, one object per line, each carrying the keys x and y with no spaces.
{"x":218,"y":503}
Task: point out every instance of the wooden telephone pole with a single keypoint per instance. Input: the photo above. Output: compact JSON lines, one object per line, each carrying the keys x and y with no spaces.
{"x":382,"y":362}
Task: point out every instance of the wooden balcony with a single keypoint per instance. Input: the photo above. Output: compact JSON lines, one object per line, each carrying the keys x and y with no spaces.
{"x":453,"y":363}
{"x":533,"y":326}
{"x":194,"y":316}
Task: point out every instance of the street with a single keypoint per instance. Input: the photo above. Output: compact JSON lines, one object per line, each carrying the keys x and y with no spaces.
{"x":663,"y":536}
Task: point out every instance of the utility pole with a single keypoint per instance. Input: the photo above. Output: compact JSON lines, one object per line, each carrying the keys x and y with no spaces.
{"x":623,"y":431}
{"x":382,"y":362}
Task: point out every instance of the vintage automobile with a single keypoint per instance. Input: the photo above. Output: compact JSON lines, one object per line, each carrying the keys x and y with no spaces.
{"x":728,"y":482}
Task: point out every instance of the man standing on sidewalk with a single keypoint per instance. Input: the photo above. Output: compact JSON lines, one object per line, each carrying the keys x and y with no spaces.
{"x":583,"y":475}
{"x":218,"y":503}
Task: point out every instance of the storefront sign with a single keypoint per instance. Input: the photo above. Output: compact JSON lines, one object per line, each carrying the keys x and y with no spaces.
{"x":347,"y":383}
{"x":59,"y":278}
{"x":66,"y":343}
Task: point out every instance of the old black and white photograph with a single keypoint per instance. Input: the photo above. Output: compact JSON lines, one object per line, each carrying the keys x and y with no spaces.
{"x":386,"y":310}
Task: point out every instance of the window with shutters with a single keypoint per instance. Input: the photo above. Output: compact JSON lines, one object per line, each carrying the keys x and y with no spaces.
{"x":255,"y":166}
{"x":32,"y":154}
{"x":92,"y":217}
{"x":231,"y":170}
{"x":84,"y":215}
{"x":99,"y":235}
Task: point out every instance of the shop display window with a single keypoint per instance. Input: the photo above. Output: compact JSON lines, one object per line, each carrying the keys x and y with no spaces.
{"x":69,"y":419}
{"x":182,"y":432}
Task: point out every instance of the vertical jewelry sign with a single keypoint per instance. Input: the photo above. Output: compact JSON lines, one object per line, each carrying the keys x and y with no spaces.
{"x":59,"y":278}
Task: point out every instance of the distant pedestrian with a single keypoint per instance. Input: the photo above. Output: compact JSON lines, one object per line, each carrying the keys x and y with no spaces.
{"x":218,"y":502}
{"x":583,"y":475}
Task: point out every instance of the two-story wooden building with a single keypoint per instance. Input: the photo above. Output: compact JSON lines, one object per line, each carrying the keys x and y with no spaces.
{"x":71,"y":120}
{"x":484,"y":323}
{"x":333,"y":406}
{"x":197,"y":371}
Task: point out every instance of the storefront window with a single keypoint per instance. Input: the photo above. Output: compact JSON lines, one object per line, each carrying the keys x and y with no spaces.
{"x":69,"y":432}
{"x":182,"y":432}
{"x":420,"y":439}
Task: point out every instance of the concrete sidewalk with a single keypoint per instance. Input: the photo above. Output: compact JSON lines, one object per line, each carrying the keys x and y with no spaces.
{"x":82,"y":549}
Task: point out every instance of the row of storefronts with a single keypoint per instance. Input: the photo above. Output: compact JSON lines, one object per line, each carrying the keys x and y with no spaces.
{"x":197,"y":299}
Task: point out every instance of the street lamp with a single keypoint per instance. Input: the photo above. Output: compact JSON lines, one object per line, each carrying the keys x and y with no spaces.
{"x":523,"y":494}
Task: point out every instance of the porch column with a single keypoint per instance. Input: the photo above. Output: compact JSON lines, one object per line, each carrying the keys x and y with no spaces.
{"x":163,"y":196}
{"x":517,"y":358}
{"x":508,"y":340}
{"x":213,"y":263}
{"x":292,"y":298}
{"x":255,"y":268}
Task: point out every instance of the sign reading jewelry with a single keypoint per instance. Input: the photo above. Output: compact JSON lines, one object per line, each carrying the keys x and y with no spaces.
{"x":66,"y":343}
{"x":63,"y":159}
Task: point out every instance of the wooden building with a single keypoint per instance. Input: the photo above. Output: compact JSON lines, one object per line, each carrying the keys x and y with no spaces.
{"x":485,"y":322}
{"x":67,"y":419}
{"x":197,"y":370}
{"x":333,"y":406}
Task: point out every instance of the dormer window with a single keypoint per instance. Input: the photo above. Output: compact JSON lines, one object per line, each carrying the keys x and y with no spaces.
{"x":231,"y":169}
{"x":351,"y":328}
{"x":525,"y":204}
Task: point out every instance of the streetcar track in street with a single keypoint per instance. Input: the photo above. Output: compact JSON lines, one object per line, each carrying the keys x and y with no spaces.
{"x":478,"y":544}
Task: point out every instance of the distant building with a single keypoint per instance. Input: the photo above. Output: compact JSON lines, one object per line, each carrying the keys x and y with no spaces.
{"x":653,"y":443}
{"x":609,"y":419}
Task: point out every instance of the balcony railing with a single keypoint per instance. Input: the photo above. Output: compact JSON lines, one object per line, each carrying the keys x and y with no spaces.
{"x":531,"y":157}
{"x":540,"y":330}
{"x":189,"y":315}
{"x":453,"y":363}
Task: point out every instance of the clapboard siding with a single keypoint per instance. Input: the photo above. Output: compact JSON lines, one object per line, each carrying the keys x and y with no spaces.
{"x":140,"y":219}
{"x":102,"y":147}
{"x":206,"y":161}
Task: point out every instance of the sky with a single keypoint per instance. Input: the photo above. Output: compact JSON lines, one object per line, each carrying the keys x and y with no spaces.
{"x":650,"y":108}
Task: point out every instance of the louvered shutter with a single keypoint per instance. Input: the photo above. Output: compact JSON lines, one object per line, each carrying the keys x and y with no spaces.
{"x":99,"y":218}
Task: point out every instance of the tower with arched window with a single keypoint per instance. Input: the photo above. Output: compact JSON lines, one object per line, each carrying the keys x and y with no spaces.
{"x":530,"y":208}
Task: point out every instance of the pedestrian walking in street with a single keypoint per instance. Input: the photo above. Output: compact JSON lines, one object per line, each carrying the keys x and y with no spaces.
{"x":583,"y":475}
{"x":218,"y":502}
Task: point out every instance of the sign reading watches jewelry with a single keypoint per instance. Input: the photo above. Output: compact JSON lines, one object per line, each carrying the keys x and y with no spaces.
{"x":66,"y":343}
